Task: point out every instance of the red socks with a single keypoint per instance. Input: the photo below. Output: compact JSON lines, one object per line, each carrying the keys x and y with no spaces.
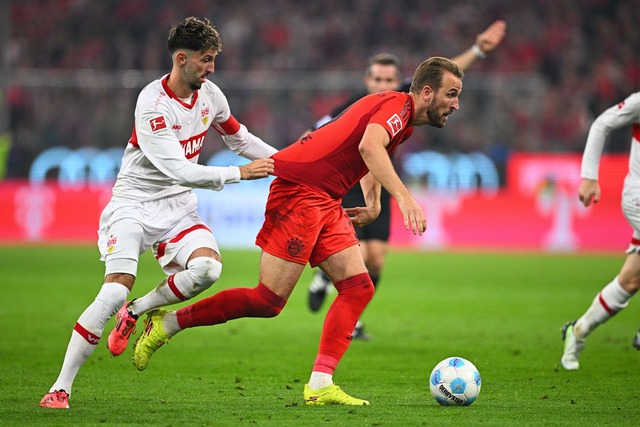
{"x":354,"y":294}
{"x":231,"y":304}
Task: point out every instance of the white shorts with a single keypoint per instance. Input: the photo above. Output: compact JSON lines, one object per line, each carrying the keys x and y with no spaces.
{"x":171,"y":226}
{"x":631,"y":211}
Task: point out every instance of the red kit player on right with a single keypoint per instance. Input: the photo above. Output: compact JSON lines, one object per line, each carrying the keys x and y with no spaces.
{"x":305,"y":223}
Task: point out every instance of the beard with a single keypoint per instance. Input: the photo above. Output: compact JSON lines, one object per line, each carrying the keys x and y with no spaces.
{"x":195,"y":85}
{"x":435,"y":119}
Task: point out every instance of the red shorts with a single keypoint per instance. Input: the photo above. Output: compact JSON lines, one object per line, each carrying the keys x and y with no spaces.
{"x":304,"y":225}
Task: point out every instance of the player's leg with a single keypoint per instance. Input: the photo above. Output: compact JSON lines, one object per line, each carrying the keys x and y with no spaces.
{"x":86,"y":335}
{"x":373,"y":251}
{"x":277,"y":279}
{"x":377,"y":239}
{"x":203,"y":269}
{"x":374,"y":243}
{"x":190,"y":258}
{"x":276,"y":282}
{"x":610,"y":300}
{"x":614,"y":296}
{"x":319,"y":287}
{"x":355,"y":290}
{"x":374,"y":258}
{"x":120,"y":244}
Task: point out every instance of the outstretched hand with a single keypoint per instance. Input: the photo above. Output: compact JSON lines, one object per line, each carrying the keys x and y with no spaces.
{"x":490,"y":38}
{"x":257,"y":169}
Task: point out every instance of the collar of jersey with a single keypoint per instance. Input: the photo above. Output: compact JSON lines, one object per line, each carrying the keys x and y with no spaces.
{"x":172,"y":95}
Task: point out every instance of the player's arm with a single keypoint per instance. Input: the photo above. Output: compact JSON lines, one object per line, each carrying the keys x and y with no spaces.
{"x":361,"y":216}
{"x":164,"y":151}
{"x":373,"y":151}
{"x":242,"y":142}
{"x":624,"y":114}
{"x":486,"y":41}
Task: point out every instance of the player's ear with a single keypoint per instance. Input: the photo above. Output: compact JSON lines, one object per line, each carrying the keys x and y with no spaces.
{"x":180,"y":57}
{"x":427,"y":93}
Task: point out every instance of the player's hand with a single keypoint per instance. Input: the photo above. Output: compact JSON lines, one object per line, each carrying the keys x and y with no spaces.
{"x":413,"y":216}
{"x":589,"y":191}
{"x":257,"y":169}
{"x":362,"y":216}
{"x":490,"y":38}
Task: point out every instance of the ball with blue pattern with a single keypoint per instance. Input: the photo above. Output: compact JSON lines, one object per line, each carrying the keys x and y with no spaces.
{"x":455,"y":382}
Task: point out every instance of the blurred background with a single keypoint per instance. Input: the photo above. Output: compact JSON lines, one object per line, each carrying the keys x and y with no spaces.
{"x":72,"y":69}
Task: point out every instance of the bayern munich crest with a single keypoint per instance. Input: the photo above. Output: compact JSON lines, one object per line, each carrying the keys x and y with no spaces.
{"x":294,"y":246}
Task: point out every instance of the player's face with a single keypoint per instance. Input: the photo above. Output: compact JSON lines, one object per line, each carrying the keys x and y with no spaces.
{"x":381,"y":78}
{"x":444,"y":101}
{"x":199,"y":65}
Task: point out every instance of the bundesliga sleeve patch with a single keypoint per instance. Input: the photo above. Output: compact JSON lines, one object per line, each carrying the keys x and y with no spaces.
{"x":157,"y":124}
{"x":395,"y":124}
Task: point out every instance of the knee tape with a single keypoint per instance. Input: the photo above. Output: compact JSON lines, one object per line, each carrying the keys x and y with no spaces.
{"x":204,"y":271}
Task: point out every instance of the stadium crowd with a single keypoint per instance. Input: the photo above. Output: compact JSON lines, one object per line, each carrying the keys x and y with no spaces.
{"x":561,"y":63}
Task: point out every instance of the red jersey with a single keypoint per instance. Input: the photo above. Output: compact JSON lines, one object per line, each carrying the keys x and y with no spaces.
{"x":328,"y":158}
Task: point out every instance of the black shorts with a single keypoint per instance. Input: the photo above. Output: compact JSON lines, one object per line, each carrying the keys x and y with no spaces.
{"x":381,"y":227}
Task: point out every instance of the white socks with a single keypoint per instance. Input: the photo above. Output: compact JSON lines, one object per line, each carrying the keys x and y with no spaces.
{"x":87,"y":332}
{"x":610,"y":300}
{"x":320,"y":380}
{"x":200,"y":274}
{"x":159,"y":297}
{"x":170,"y":324}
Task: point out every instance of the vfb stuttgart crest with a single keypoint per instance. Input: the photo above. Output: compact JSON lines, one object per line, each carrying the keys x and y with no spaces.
{"x":204,"y":114}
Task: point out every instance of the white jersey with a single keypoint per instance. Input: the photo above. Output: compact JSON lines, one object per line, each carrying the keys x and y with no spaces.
{"x":626,"y":113}
{"x":161,"y":157}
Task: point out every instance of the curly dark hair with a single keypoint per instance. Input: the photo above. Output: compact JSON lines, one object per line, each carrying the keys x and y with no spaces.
{"x":197,"y":34}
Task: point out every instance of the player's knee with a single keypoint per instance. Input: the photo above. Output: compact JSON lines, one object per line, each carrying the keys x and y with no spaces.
{"x":367,"y":289}
{"x":268,"y":303}
{"x":630,"y":284}
{"x":204,"y":271}
{"x":359,"y":287}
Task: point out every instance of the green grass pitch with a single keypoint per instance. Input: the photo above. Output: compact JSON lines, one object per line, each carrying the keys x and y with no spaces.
{"x":501,"y":311}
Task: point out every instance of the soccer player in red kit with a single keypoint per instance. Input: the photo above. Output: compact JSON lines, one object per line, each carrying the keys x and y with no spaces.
{"x":305,"y":223}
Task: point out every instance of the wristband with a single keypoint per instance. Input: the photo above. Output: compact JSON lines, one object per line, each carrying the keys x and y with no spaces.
{"x":478,"y":52}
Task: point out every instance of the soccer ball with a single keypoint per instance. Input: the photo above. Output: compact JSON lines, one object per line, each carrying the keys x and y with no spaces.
{"x":455,"y":382}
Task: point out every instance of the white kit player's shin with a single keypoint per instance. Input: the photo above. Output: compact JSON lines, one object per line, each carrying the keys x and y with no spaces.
{"x":87,"y":332}
{"x":610,"y":300}
{"x":200,"y":274}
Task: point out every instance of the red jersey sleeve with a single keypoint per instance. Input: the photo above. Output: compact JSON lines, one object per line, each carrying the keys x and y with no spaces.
{"x":328,"y":158}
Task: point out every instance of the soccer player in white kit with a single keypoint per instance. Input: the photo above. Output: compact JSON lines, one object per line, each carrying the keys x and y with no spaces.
{"x":152,"y":204}
{"x":616,"y":295}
